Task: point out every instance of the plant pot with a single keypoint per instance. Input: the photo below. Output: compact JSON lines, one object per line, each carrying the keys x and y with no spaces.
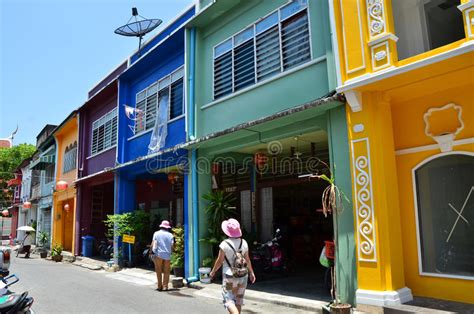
{"x":341,"y":308}
{"x":177,"y":282}
{"x":178,"y":271}
{"x":43,"y":254}
{"x":57,"y":258}
{"x":204,"y":275}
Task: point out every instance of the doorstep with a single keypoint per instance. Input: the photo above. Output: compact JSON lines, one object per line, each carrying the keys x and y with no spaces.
{"x":214,"y":291}
{"x":89,"y":263}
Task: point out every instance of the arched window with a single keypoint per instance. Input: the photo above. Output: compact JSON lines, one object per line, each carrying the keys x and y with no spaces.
{"x":70,"y":156}
{"x":445,"y":215}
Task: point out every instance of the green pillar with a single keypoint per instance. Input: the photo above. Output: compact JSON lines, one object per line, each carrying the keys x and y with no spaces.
{"x":344,"y":221}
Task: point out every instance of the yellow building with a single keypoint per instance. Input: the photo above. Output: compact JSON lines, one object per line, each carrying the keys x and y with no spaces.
{"x":64,"y":197}
{"x":406,"y":69}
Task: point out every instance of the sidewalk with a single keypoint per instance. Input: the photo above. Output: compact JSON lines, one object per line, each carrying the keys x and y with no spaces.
{"x":215,"y":291}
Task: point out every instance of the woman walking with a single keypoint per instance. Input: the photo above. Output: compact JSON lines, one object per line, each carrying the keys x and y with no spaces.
{"x":162,"y":246}
{"x":236,"y":266}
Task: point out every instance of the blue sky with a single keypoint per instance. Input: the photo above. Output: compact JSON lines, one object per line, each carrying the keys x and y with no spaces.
{"x":53,"y":51}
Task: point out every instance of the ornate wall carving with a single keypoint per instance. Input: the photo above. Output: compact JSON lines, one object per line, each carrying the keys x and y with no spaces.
{"x":366,"y":243}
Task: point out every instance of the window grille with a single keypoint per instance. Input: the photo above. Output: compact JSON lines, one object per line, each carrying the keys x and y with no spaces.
{"x":276,"y":43}
{"x":176,"y":99}
{"x":69,"y":162}
{"x":104,"y":132}
{"x":147,"y":101}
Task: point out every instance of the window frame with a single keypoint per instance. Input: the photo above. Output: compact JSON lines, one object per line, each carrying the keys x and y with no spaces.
{"x":252,"y":25}
{"x":165,"y":82}
{"x":93,"y":128}
{"x":417,"y":220}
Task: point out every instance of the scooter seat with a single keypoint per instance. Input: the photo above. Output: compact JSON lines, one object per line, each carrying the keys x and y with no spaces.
{"x":7,"y":302}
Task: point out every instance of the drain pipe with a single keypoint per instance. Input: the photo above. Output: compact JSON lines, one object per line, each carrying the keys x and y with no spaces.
{"x":194,"y":179}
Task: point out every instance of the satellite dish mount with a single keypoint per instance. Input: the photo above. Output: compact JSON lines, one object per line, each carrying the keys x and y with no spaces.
{"x":138,"y":28}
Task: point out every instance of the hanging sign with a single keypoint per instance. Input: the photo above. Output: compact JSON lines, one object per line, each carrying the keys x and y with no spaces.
{"x":128,"y":238}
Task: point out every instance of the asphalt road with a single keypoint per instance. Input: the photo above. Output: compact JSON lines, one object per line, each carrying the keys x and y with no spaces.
{"x":64,"y":288}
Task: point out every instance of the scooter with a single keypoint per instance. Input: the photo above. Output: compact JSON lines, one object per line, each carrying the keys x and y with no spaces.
{"x":268,"y":257}
{"x":11,"y":303}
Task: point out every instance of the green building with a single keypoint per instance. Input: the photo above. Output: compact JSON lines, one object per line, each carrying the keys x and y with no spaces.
{"x":262,"y":118}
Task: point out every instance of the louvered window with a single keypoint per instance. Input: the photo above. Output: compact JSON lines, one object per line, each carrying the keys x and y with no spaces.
{"x":104,"y":132}
{"x":70,"y":156}
{"x":223,"y":75}
{"x":276,"y":43}
{"x":295,"y":40}
{"x":176,"y":99}
{"x":147,"y":101}
{"x":244,"y":65}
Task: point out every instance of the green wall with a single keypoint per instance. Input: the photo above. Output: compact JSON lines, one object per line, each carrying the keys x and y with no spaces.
{"x":266,"y":98}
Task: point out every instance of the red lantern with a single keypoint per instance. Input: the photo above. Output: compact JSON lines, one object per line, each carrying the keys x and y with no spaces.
{"x":5,"y":212}
{"x":172,"y":177}
{"x":260,"y":160}
{"x":66,"y":208}
{"x":61,"y":185}
{"x":27,"y":205}
{"x":215,"y":168}
{"x":6,"y":190}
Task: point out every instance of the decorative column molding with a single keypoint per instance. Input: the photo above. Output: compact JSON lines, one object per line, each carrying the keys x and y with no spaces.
{"x":382,"y":42}
{"x":376,"y":17}
{"x":467,"y":9}
{"x":364,"y":205}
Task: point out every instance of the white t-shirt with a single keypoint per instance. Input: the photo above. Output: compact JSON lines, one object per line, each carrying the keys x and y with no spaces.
{"x":28,"y":240}
{"x":229,"y":253}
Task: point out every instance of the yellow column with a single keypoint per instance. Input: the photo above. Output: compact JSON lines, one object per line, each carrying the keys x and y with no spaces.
{"x":467,"y":9}
{"x":378,"y":231}
{"x":381,"y":34}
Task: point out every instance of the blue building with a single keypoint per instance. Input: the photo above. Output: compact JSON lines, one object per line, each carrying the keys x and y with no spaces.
{"x":151,"y":128}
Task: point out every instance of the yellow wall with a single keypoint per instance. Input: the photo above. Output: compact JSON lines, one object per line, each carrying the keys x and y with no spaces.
{"x":387,"y":100}
{"x":409,"y":133}
{"x":63,"y":222}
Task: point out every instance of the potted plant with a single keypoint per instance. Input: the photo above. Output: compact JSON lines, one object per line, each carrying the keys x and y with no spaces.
{"x":205,"y":270}
{"x":56,"y":251}
{"x":177,"y":259}
{"x":219,"y":208}
{"x":43,"y":238}
{"x":333,"y":203}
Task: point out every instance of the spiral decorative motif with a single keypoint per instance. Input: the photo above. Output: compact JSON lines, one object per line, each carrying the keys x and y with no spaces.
{"x":275,"y":148}
{"x":364,"y":205}
{"x":376,"y":18}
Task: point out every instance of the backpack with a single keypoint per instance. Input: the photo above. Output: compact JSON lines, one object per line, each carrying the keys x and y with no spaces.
{"x":239,"y":266}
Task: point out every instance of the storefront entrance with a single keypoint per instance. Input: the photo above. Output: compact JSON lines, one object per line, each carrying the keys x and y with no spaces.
{"x":277,"y":192}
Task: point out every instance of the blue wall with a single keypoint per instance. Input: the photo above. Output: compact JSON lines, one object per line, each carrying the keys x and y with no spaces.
{"x":163,"y":34}
{"x":162,"y":61}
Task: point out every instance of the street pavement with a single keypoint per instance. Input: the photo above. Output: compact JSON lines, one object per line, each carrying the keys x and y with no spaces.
{"x":64,"y":288}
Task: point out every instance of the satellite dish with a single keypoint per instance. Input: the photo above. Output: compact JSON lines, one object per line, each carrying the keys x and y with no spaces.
{"x":138,"y":28}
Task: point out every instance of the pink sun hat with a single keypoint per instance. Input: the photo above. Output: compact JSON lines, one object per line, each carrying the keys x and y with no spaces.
{"x":165,"y":224}
{"x":231,"y":228}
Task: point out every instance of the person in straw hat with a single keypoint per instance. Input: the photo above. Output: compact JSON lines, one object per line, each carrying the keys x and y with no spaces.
{"x":162,"y":247}
{"x":236,"y":266}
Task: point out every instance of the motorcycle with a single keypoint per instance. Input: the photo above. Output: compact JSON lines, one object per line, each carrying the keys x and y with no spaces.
{"x":11,"y":303}
{"x":105,"y":248}
{"x":268,"y":257}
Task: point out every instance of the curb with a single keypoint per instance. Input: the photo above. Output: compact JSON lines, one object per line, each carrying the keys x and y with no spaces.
{"x":265,"y":299}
